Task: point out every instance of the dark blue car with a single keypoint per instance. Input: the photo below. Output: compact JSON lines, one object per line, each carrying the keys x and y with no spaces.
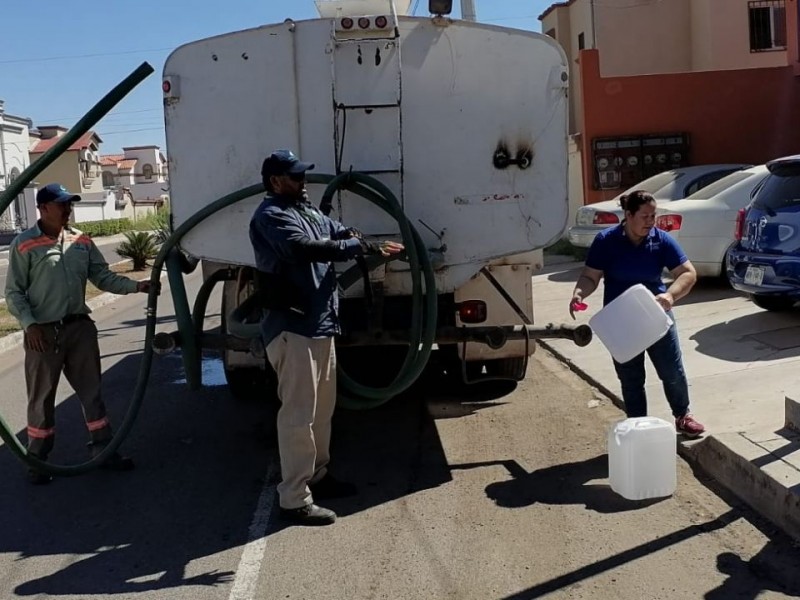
{"x":764,"y":262}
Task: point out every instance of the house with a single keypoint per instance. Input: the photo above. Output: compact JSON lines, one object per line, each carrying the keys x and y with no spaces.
{"x":14,"y":159}
{"x":142,"y":172}
{"x":78,"y":169}
{"x":656,"y":85}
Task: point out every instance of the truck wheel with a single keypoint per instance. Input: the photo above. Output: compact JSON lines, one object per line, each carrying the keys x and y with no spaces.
{"x":252,"y":383}
{"x":505,"y":367}
{"x":773,"y":303}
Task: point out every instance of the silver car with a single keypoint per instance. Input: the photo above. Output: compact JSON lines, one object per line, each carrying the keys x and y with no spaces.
{"x":667,"y":186}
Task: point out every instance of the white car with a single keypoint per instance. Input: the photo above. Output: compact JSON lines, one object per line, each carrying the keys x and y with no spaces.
{"x":704,"y":223}
{"x":665,"y":187}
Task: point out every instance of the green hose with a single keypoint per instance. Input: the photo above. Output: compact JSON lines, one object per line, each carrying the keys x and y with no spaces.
{"x":97,"y":112}
{"x":423,"y":302}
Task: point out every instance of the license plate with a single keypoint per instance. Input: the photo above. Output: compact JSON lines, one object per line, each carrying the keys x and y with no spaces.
{"x":585,"y":217}
{"x":754,"y":275}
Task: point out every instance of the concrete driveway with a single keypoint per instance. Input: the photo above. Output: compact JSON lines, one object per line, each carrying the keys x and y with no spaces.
{"x":742,"y":363}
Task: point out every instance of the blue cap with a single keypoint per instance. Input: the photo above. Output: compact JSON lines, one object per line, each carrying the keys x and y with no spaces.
{"x":284,"y":162}
{"x":55,"y":192}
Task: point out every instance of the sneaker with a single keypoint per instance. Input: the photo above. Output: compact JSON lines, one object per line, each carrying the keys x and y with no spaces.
{"x":38,"y":478}
{"x":310,"y":514}
{"x":688,"y":426}
{"x":329,"y":488}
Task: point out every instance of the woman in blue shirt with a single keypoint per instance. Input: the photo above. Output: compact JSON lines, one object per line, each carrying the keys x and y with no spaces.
{"x":637,"y":252}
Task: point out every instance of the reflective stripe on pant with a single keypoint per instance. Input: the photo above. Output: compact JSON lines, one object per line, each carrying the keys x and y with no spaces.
{"x":306,"y":369}
{"x":72,"y":349}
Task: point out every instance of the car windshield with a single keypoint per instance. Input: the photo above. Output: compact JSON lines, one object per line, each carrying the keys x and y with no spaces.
{"x":719,"y":186}
{"x":655,"y":184}
{"x":781,"y":189}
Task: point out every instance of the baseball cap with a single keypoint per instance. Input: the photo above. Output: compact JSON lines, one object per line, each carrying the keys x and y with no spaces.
{"x":284,"y":162}
{"x":55,"y":192}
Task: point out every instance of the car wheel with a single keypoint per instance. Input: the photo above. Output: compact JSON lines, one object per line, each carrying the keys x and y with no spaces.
{"x":773,"y":303}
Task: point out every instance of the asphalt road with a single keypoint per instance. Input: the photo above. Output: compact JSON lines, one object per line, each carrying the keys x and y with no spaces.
{"x":495,"y":492}
{"x":106,"y":246}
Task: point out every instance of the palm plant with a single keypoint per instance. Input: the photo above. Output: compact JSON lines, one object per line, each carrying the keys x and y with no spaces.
{"x":139,"y":246}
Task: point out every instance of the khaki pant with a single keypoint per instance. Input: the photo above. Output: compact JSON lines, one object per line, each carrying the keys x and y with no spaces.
{"x":73,"y":349}
{"x":306,"y":369}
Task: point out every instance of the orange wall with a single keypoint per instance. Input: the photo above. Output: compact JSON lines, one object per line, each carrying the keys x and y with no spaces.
{"x":749,"y":115}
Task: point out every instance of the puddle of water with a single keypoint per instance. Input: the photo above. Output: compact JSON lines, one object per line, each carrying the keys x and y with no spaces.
{"x":213,"y":373}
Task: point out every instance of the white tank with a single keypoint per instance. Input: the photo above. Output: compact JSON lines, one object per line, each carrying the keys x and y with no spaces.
{"x":642,"y":459}
{"x":426,"y":107}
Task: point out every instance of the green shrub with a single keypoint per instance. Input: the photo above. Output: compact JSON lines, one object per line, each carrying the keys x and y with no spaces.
{"x":103,"y":228}
{"x":139,"y":246}
{"x":157,"y":222}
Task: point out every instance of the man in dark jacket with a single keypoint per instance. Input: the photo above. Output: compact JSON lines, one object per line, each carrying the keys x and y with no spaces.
{"x":295,"y":246}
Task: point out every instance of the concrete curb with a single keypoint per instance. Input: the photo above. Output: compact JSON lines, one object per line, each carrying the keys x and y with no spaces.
{"x":762,"y":469}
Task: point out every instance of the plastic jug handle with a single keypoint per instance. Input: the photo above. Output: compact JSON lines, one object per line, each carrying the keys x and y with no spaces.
{"x":621,"y":430}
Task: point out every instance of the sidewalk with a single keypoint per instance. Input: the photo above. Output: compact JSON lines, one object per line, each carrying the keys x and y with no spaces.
{"x":742,"y":362}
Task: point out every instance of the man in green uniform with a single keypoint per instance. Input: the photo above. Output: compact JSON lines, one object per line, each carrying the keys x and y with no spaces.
{"x":45,"y":290}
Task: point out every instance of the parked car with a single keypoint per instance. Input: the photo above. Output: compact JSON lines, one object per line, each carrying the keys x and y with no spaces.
{"x":704,"y":222}
{"x":764,"y":262}
{"x":666,"y":187}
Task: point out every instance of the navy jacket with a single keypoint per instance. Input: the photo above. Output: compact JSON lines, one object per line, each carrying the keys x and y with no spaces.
{"x":295,"y":246}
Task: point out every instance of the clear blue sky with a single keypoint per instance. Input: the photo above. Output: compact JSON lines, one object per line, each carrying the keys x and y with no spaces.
{"x":59,"y":57}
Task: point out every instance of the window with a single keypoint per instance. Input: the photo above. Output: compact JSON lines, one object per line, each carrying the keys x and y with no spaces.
{"x":781,"y":189}
{"x":108,"y":179}
{"x":767,"y":25}
{"x":706,"y":180}
{"x":581,"y":41}
{"x":719,"y":186}
{"x":13,"y":175}
{"x":147,"y":171}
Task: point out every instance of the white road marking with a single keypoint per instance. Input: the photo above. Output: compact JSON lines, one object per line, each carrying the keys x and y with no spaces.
{"x":246,"y":579}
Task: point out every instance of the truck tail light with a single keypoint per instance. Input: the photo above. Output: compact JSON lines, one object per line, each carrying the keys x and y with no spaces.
{"x":738,"y":230}
{"x":472,"y":311}
{"x":669,"y":222}
{"x":381,"y":22}
{"x":363,"y":22}
{"x":605,"y":218}
{"x":347,"y":23}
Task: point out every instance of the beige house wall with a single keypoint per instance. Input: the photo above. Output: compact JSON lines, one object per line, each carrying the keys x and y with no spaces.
{"x":729,"y":34}
{"x":65,"y":170}
{"x":670,"y":36}
{"x":702,"y":39}
{"x":638,"y":39}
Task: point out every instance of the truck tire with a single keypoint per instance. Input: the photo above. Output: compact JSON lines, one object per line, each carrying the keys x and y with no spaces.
{"x":773,"y":303}
{"x":505,"y":367}
{"x":248,"y":383}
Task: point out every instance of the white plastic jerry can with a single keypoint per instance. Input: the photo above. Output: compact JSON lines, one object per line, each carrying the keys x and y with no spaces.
{"x":630,"y":323}
{"x":642,"y":460}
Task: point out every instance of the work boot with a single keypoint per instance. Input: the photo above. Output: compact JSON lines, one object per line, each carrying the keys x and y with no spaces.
{"x":36,"y":477}
{"x":310,"y":514}
{"x":329,"y":488}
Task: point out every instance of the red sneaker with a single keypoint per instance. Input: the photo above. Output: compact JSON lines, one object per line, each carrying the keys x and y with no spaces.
{"x":688,"y":426}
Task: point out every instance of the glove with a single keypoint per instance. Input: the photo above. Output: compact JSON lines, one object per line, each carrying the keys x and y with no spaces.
{"x":370,"y":247}
{"x":352,"y":232}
